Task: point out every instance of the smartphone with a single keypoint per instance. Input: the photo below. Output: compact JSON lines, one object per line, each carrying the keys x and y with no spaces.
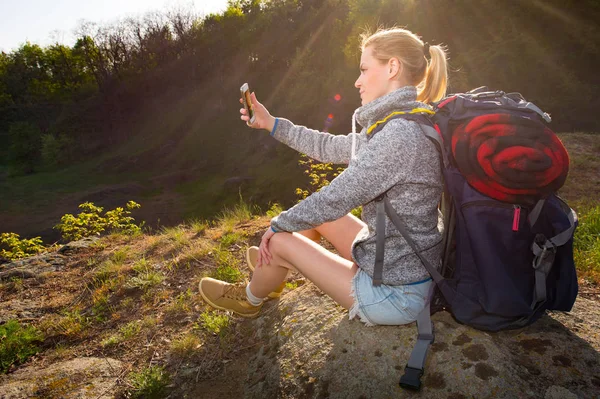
{"x":245,"y":92}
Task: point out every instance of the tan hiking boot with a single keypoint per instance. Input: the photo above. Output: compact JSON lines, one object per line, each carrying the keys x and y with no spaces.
{"x":226,"y":296}
{"x":251,"y":257}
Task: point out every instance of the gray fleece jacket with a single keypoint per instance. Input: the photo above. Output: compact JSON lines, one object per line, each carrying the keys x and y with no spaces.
{"x":398,"y":159}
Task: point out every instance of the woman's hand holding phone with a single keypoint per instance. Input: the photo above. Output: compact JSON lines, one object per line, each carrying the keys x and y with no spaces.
{"x":262,"y":117}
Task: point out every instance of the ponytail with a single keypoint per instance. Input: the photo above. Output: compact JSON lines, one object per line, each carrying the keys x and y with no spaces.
{"x":433,"y":87}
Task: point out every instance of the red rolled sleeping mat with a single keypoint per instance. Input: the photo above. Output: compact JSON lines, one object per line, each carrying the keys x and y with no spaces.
{"x":510,"y":158}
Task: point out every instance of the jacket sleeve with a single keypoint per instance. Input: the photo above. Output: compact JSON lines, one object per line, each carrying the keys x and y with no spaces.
{"x":324,"y":147}
{"x":386,"y":160}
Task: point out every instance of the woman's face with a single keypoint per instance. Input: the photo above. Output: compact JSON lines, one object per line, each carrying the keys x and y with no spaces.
{"x":374,"y":79}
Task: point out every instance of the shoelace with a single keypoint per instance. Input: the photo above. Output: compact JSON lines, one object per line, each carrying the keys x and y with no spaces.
{"x":236,"y":291}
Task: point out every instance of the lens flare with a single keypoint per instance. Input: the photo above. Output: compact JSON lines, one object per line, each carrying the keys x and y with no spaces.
{"x":337,"y":97}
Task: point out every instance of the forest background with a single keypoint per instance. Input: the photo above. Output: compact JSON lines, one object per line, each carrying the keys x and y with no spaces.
{"x":146,"y":109}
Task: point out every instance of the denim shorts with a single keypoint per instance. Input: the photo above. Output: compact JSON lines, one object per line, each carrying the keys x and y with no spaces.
{"x":387,"y":304}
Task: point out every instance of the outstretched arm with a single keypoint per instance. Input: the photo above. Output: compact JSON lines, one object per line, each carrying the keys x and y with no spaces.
{"x":324,"y":147}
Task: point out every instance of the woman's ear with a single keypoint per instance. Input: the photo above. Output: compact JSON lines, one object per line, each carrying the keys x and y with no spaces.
{"x":394,"y":67}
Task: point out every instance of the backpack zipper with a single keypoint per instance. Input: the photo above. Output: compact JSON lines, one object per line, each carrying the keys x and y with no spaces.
{"x":516,"y":217}
{"x":494,"y":204}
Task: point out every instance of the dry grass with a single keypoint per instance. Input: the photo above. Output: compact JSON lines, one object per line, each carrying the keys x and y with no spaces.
{"x":582,"y":190}
{"x":583,"y":183}
{"x":135,"y":298}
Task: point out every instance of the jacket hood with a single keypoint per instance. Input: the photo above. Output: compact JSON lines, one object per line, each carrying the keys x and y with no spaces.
{"x":404,"y":98}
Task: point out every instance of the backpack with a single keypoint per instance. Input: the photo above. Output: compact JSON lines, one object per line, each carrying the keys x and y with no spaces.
{"x":508,"y":238}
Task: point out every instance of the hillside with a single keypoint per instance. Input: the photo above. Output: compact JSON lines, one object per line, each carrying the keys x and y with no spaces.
{"x":147,"y":109}
{"x":121,"y":315}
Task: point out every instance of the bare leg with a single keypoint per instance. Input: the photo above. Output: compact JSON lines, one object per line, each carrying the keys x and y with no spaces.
{"x":341,"y":233}
{"x":313,"y":234}
{"x":330,"y":272}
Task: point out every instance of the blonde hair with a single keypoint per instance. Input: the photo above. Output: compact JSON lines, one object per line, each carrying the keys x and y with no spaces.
{"x":430,"y":77}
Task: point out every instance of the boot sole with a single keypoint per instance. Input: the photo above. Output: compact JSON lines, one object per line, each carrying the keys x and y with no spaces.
{"x":246,"y":315}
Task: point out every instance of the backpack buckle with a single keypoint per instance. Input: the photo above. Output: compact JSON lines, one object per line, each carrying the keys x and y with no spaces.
{"x":427,"y":337}
{"x":543,"y":259}
{"x":411,"y":378}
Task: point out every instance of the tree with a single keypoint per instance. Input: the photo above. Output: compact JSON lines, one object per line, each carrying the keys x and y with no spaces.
{"x":24,"y":146}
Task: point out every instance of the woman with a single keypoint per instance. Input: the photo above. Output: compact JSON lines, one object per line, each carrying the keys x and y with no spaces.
{"x":397,"y":72}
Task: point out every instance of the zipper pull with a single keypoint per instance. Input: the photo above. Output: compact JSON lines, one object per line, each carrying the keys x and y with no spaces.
{"x":516,"y":217}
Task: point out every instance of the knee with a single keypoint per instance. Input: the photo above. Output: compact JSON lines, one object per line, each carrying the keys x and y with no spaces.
{"x":280,"y":243}
{"x":279,"y":240}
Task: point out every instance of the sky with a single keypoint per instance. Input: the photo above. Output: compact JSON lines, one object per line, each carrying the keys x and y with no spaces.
{"x":44,"y":22}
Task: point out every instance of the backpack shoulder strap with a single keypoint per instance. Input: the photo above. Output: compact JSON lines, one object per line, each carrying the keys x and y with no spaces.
{"x":418,"y":114}
{"x":422,"y":117}
{"x":434,"y":135}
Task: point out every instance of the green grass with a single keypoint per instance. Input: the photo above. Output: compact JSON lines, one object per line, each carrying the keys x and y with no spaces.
{"x":241,"y":212}
{"x":120,"y":255}
{"x":181,"y":304}
{"x":141,"y":265}
{"x":71,"y":324}
{"x":194,"y":253}
{"x":146,"y":279}
{"x":200,"y":198}
{"x":146,"y":276}
{"x":43,"y":189}
{"x":228,"y":266}
{"x":214,"y":322}
{"x":177,"y":235}
{"x":125,"y":333}
{"x":130,"y":330}
{"x":149,"y":383}
{"x":17,"y":343}
{"x":228,"y":239}
{"x":185,"y":346}
{"x":198,"y":226}
{"x":107,"y":271}
{"x":587,"y":244}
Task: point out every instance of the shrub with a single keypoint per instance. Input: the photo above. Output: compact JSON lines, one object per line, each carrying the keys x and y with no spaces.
{"x":25,"y":145}
{"x":357,"y":212}
{"x":17,"y":344}
{"x":320,"y":175}
{"x":54,"y":149}
{"x":274,"y":210}
{"x":91,"y":221}
{"x":16,"y":247}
